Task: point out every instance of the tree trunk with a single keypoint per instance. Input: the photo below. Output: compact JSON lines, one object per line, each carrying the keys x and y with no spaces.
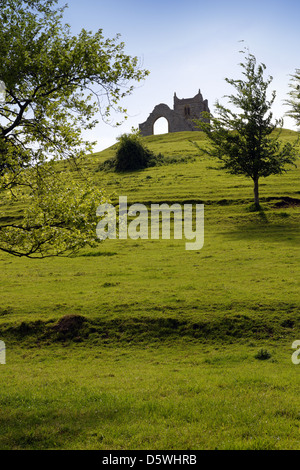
{"x":256,"y":194}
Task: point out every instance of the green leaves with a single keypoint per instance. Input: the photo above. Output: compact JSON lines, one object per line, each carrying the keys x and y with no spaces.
{"x":59,"y":215}
{"x":244,"y":140}
{"x":131,"y":153}
{"x":56,"y":84}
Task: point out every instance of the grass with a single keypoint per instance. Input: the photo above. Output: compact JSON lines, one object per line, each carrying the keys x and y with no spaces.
{"x":167,"y":353}
{"x":192,"y":396}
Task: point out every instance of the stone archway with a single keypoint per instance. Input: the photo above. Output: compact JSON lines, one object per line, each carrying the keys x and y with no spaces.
{"x":160,"y":110}
{"x":175,"y":121}
{"x":180,"y":118}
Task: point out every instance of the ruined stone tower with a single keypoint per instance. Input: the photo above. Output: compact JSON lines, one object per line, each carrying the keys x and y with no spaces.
{"x":180,"y":117}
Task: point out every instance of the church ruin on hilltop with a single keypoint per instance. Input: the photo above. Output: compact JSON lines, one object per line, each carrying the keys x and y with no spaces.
{"x":180,"y":117}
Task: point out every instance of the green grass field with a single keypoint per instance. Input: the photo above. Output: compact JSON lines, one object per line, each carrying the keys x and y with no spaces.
{"x":161,"y":353}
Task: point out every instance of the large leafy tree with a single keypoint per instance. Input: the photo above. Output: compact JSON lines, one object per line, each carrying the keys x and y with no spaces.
{"x":56,"y":84}
{"x":244,"y":139}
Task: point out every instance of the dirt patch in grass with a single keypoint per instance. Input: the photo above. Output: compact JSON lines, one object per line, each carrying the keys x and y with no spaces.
{"x":69,"y":326}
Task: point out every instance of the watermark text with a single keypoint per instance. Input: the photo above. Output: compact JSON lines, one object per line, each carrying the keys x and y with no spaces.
{"x":188,"y":222}
{"x":295,"y":358}
{"x":2,"y":92}
{"x":2,"y":353}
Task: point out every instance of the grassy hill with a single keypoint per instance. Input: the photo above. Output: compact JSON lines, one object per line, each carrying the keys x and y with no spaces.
{"x":160,"y":349}
{"x":197,"y":180}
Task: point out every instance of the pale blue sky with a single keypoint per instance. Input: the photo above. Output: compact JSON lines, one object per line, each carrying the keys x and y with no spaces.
{"x":193,"y":44}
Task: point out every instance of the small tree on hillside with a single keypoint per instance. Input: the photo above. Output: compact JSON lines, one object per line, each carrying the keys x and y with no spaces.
{"x":294,"y":101}
{"x":243,"y":140}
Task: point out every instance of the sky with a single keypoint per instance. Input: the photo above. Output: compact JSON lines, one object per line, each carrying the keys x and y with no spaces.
{"x":190,"y":45}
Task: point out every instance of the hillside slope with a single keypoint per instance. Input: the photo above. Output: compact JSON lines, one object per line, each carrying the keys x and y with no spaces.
{"x":200,"y":179}
{"x":243,"y":282}
{"x":141,"y":344}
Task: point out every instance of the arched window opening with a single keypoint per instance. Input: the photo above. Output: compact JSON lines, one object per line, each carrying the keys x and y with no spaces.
{"x":187,"y":111}
{"x":161,"y":126}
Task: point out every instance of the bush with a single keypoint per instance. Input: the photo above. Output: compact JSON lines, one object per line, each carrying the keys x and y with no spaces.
{"x":132,"y":154}
{"x":262,"y":355}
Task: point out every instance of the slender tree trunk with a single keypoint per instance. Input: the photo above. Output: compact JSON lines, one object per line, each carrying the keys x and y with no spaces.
{"x":256,"y":193}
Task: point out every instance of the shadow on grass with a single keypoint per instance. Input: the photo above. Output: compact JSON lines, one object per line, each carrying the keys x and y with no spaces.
{"x":263,"y":229}
{"x":265,"y":224}
{"x":98,"y":253}
{"x":55,"y":425}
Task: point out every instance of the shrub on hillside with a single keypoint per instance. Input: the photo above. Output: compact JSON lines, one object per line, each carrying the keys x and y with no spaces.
{"x":132,"y":154}
{"x":262,"y":354}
